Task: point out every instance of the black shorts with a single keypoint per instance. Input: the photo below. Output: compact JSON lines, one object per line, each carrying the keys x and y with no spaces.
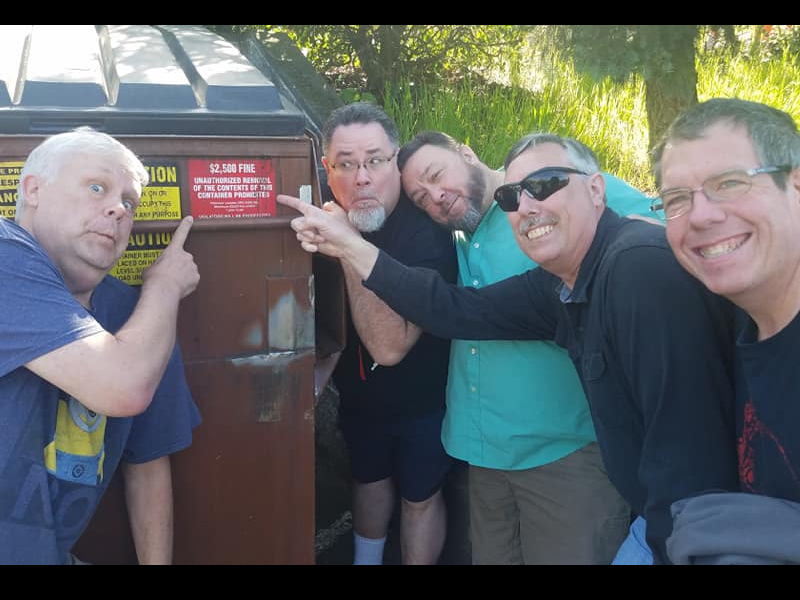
{"x":407,"y":449}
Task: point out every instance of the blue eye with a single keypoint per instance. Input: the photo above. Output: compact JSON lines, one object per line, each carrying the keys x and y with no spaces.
{"x":97,"y":188}
{"x":130,"y":207}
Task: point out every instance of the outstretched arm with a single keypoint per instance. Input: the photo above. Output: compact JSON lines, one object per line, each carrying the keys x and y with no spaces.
{"x":387,"y":336}
{"x":322,"y":231}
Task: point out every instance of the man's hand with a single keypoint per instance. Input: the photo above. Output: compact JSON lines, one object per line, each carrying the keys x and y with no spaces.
{"x":175,"y":267}
{"x":327,"y":231}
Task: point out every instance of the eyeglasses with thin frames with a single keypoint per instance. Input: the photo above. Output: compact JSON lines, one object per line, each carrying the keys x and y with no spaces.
{"x":722,"y":187}
{"x":540,"y":184}
{"x":372,"y":164}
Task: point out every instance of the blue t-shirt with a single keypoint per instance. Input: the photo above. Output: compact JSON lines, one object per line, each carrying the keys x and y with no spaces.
{"x":56,"y":456}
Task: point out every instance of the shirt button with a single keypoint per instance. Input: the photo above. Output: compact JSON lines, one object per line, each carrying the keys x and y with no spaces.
{"x":474,"y":351}
{"x":475,"y":282}
{"x":473,"y":388}
{"x":476,"y":245}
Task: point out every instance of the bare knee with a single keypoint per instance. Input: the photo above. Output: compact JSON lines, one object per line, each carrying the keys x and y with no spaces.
{"x":423,"y":506}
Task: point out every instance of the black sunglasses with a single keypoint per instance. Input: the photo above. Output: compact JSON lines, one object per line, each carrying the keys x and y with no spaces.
{"x":540,"y":184}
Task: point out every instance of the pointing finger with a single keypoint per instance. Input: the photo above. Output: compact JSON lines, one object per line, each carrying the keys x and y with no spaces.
{"x":181,"y":233}
{"x":293,"y":202}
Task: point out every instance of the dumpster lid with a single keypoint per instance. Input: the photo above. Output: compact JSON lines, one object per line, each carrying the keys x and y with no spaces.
{"x":136,"y":79}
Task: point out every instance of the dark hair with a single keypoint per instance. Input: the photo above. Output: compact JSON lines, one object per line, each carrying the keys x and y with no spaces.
{"x":773,"y":132}
{"x":358,"y":112}
{"x":425,"y":138}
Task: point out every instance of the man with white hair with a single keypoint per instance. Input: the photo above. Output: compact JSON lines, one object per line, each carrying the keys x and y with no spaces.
{"x":90,"y":375}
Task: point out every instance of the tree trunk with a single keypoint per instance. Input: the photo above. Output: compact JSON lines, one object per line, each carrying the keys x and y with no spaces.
{"x":668,"y":94}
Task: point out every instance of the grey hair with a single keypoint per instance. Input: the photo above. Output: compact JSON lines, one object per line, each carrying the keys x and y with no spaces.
{"x":580,"y":155}
{"x":358,"y":112}
{"x":773,"y":132}
{"x":49,"y":157}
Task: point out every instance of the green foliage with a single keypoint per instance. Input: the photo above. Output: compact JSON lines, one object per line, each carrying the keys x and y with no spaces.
{"x":618,"y":51}
{"x":350,"y":95}
{"x":367,"y":57}
{"x":606,"y":115}
{"x":765,"y":76}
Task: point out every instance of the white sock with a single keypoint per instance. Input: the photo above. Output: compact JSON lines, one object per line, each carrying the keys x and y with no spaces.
{"x":369,"y":551}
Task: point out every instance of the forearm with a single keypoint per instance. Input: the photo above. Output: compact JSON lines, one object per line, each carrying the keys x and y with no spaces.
{"x":504,"y":310}
{"x":359,"y":256}
{"x":146,"y":340}
{"x":387,"y":336}
{"x":116,"y":375}
{"x":148,"y":496}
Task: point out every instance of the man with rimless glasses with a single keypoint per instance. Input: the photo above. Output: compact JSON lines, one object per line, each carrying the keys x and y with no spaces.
{"x":728,"y":170}
{"x":659,"y":387}
{"x":538,"y":490}
{"x":391,"y":376}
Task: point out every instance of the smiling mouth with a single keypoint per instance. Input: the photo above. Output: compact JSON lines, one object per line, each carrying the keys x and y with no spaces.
{"x":722,"y":248}
{"x":450,"y":206}
{"x":540,"y":231}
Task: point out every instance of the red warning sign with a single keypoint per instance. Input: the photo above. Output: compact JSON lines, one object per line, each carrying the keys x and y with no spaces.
{"x":231,"y":187}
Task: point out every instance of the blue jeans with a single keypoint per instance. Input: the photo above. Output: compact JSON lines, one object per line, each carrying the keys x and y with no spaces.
{"x":634,"y":550}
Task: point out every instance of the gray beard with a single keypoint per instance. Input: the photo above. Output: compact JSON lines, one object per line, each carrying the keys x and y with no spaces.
{"x":367,"y":220}
{"x":469,"y":221}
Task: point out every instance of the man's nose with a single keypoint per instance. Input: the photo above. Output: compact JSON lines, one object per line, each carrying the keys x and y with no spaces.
{"x":363,"y":176}
{"x":116,"y":209}
{"x":527,"y":205}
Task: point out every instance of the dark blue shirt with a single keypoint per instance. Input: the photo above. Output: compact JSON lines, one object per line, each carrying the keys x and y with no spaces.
{"x":56,"y":456}
{"x":416,"y":385}
{"x":768,"y":411}
{"x":652,"y":346}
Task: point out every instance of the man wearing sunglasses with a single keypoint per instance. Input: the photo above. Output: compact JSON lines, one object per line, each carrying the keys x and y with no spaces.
{"x":659,"y":389}
{"x":391,"y":376}
{"x":538,"y":490}
{"x":729,"y":173}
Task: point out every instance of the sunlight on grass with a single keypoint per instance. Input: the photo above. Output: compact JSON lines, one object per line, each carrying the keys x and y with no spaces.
{"x":548,"y":95}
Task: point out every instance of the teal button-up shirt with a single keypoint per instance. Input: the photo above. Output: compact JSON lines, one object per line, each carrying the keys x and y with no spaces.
{"x":516,"y":405}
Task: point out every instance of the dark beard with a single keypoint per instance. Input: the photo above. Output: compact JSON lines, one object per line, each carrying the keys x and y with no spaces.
{"x":476,"y":188}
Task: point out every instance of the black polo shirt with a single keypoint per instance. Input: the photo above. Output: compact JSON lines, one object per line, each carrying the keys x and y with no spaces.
{"x":416,"y":385}
{"x":652,"y":346}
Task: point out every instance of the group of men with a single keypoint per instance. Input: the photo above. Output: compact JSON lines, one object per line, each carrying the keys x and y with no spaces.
{"x":675,"y":332}
{"x":620,"y":389}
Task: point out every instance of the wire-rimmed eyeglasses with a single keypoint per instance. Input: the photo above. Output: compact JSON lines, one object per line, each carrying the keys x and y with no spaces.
{"x":722,"y":187}
{"x":372,"y":164}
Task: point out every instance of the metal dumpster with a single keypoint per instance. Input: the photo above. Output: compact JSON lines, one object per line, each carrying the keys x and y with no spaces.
{"x":220,"y":142}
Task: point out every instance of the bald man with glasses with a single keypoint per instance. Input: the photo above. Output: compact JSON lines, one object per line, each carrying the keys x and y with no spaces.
{"x":650,"y":344}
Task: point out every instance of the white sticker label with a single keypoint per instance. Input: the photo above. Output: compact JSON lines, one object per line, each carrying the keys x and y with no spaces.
{"x":305,"y":193}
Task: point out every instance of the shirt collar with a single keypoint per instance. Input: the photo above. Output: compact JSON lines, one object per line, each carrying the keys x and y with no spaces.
{"x":606,"y":231}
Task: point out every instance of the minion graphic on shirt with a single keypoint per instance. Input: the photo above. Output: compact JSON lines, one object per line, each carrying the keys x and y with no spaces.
{"x":77,"y":451}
